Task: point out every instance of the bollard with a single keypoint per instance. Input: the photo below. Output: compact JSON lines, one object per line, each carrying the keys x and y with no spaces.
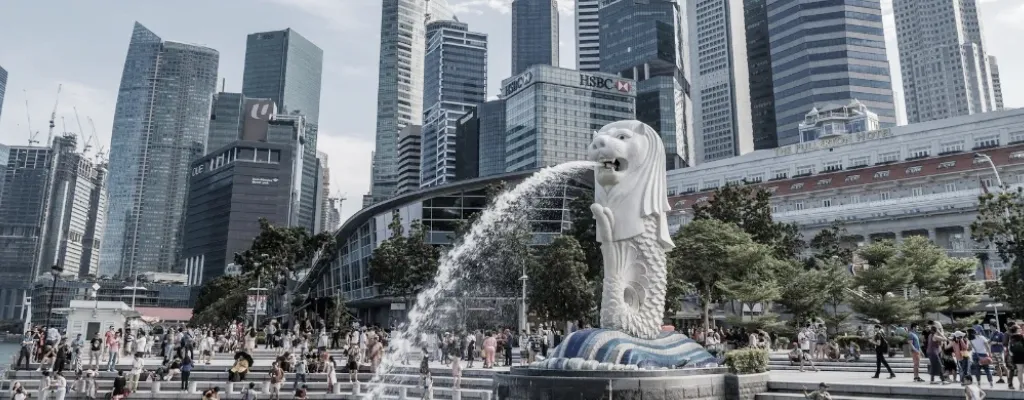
{"x":456,"y":394}
{"x":193,"y":387}
{"x":403,"y":393}
{"x":356,"y":388}
{"x":266,"y":387}
{"x":337,"y":389}
{"x":231,"y":388}
{"x":156,"y":386}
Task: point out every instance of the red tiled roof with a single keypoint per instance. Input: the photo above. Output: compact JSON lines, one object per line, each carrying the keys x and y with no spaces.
{"x":166,"y":314}
{"x":932,"y":166}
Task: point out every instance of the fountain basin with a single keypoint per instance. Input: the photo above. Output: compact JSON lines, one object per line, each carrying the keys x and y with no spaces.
{"x":609,"y":349}
{"x":532,"y":383}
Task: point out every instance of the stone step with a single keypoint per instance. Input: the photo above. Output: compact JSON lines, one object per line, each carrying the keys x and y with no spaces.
{"x":854,"y":368}
{"x":32,"y":380}
{"x":264,"y":369}
{"x":910,"y":391}
{"x":315,"y":390}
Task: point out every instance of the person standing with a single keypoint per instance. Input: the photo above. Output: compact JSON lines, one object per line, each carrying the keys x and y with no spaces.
{"x":980,"y":356}
{"x":881,"y":348}
{"x":456,"y":373}
{"x":276,"y":378}
{"x":76,"y":351}
{"x":804,"y":340}
{"x":915,"y":351}
{"x":508,"y":348}
{"x":998,"y":347}
{"x":27,"y":343}
{"x":300,"y":372}
{"x":332,"y":374}
{"x":95,"y":346}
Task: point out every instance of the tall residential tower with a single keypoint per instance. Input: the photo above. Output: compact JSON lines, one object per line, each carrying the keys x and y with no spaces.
{"x":400,"y":83}
{"x":588,"y":35}
{"x":3,"y":88}
{"x":946,"y":72}
{"x":721,"y":99}
{"x":454,"y":82}
{"x":759,"y":66}
{"x":826,"y":53}
{"x":160,"y":124}
{"x":534,"y":34}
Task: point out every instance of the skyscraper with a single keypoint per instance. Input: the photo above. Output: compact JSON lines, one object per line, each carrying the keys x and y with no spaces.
{"x":647,"y":41}
{"x":160,"y":125}
{"x":759,"y":66}
{"x":23,"y":195}
{"x":409,"y":152}
{"x":945,"y":69}
{"x":400,"y":83}
{"x":72,"y":231}
{"x":3,"y":88}
{"x":285,"y":67}
{"x":588,"y":35}
{"x":323,"y":192}
{"x":997,"y":85}
{"x":722,"y":126}
{"x":534,"y":34}
{"x":826,"y":53}
{"x":227,"y":119}
{"x":454,"y":82}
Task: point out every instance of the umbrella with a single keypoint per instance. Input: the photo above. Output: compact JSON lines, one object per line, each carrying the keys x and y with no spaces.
{"x":241,"y":354}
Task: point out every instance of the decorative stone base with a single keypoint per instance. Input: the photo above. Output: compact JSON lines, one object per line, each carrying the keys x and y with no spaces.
{"x":535,"y":384}
{"x":606,"y":349}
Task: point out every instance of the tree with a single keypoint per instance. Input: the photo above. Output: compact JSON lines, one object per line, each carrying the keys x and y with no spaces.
{"x":558,"y":286}
{"x":828,"y":243}
{"x":584,"y":230}
{"x":749,"y":208}
{"x":337,"y":314}
{"x":387,"y":265}
{"x":801,"y":294}
{"x":958,"y":287}
{"x":926,"y":263}
{"x":881,"y":286}
{"x":837,"y":281}
{"x":278,"y":253}
{"x":999,"y":223}
{"x":220,"y":299}
{"x":705,"y":258}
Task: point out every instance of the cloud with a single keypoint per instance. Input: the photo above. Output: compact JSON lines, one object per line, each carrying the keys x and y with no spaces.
{"x":502,"y":6}
{"x":349,"y":159}
{"x":341,"y":15}
{"x":1014,"y":17}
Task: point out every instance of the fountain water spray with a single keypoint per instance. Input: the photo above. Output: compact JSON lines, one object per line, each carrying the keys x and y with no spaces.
{"x":428,"y":303}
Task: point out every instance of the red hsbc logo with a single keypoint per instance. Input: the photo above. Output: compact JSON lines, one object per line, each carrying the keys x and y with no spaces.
{"x":622,"y":86}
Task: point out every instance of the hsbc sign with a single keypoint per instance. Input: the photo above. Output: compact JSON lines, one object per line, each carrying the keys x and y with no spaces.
{"x":599,"y":82}
{"x":517,"y":83}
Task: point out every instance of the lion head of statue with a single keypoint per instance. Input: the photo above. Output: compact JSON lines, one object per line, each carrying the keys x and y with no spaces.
{"x":631,"y":179}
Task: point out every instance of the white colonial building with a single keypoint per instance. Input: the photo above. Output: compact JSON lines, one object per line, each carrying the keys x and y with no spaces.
{"x":922,"y":179}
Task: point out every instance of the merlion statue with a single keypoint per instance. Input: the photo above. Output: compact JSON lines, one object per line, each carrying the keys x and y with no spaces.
{"x":631,"y":205}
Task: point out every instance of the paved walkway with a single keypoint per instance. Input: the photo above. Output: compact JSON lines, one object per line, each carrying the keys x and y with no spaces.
{"x":906,"y":380}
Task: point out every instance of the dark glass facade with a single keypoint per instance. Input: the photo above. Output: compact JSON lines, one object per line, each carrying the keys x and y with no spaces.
{"x":825,"y":53}
{"x":492,"y":138}
{"x":467,"y":146}
{"x":645,"y":40}
{"x":287,"y":68}
{"x":26,"y":174}
{"x":229,"y":191}
{"x":160,"y":125}
{"x":534,"y":34}
{"x":759,"y":66}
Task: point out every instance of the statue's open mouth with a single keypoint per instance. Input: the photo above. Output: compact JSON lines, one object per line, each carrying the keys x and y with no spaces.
{"x":616,"y":164}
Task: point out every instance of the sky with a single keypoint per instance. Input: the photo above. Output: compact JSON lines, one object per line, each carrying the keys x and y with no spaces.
{"x":44,"y":43}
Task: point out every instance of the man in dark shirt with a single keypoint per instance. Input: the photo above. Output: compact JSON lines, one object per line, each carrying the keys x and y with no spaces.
{"x":881,"y":348}
{"x":95,"y":346}
{"x":119,"y":384}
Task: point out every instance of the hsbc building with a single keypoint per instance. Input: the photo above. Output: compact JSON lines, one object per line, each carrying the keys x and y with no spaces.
{"x":551,"y":113}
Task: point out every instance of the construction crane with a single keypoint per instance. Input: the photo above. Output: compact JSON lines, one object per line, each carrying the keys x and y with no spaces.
{"x":81,"y":132}
{"x":53,"y":115}
{"x":92,"y":135}
{"x":28,"y":115}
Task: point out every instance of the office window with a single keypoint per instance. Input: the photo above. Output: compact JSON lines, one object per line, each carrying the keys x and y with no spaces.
{"x":826,"y":203}
{"x":951,"y":187}
{"x":917,"y":191}
{"x":798,"y":205}
{"x":780,"y":174}
{"x":919,"y":152}
{"x":860,"y":161}
{"x":889,"y":157}
{"x":805,"y":170}
{"x":884,"y":196}
{"x":854,"y":198}
{"x":833,"y":166}
{"x":986,"y":142}
{"x":952,"y":147}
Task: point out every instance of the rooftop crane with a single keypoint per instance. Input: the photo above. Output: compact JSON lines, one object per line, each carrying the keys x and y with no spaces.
{"x":81,"y":131}
{"x":28,"y":115}
{"x":92,"y":135}
{"x":53,"y":115}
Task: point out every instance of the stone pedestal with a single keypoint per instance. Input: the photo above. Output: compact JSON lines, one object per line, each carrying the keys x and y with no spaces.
{"x":680,"y":384}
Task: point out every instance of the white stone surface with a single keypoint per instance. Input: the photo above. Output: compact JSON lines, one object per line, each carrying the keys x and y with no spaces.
{"x":630,"y":209}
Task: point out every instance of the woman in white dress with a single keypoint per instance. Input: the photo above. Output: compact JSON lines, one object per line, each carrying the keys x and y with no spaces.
{"x":250,"y":341}
{"x":332,"y":377}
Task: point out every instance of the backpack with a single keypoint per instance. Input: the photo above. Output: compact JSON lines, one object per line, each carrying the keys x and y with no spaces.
{"x":883,"y":342}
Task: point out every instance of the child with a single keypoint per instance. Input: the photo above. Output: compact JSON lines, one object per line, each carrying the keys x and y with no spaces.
{"x":820,"y":394}
{"x":353,"y":363}
{"x":972,"y":392}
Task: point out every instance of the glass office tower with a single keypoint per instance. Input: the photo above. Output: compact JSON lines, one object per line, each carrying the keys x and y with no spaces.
{"x":534,"y":34}
{"x":160,"y":125}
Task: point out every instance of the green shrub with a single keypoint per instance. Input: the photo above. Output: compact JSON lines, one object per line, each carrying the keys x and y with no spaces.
{"x":747,"y":361}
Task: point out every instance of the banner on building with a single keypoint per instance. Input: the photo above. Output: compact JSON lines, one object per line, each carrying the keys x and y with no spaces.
{"x":256,"y":304}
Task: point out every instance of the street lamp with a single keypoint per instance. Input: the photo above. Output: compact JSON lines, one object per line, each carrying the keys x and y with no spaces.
{"x":995,"y":309}
{"x":55,"y":270}
{"x":983,"y":156}
{"x":95,"y":296}
{"x":522,"y":311}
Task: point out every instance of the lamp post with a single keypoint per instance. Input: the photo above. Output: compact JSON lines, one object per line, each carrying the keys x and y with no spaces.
{"x":999,"y":181}
{"x":522,"y":311}
{"x":995,"y":309}
{"x":55,"y":270}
